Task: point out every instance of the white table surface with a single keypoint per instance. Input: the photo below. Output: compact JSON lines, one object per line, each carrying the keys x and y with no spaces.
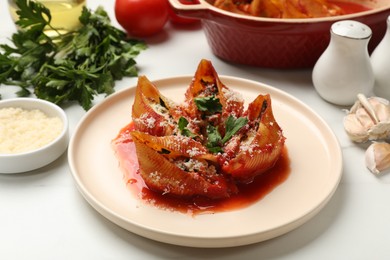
{"x":43,"y":215}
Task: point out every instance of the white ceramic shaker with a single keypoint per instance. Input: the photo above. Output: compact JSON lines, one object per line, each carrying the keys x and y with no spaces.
{"x":344,"y":69}
{"x":380,"y":60}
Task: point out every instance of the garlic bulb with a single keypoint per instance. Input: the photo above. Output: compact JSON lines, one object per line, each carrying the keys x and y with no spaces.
{"x":368,"y":119}
{"x":378,"y":157}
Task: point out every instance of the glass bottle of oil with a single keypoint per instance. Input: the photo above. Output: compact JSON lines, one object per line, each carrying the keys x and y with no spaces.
{"x":65,"y":13}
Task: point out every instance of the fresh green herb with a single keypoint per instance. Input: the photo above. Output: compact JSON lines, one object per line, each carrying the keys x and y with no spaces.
{"x":209,"y":104}
{"x":214,"y":139}
{"x":75,"y":66}
{"x":183,"y":127}
{"x":233,"y":125}
{"x":33,"y":14}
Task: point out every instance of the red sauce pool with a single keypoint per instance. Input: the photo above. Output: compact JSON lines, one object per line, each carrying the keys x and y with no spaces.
{"x":350,"y":8}
{"x":247,"y":195}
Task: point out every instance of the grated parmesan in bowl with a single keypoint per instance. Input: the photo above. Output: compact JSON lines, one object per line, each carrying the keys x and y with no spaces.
{"x":33,"y":133}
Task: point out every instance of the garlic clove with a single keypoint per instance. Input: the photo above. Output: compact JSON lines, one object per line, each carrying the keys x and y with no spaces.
{"x":377,"y":157}
{"x":379,"y":131}
{"x":355,"y":130}
{"x":364,"y":118}
{"x":382,"y":108}
{"x":368,"y":107}
{"x":368,"y":119}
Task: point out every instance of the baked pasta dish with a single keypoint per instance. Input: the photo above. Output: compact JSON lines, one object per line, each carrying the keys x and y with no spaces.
{"x":205,"y":145}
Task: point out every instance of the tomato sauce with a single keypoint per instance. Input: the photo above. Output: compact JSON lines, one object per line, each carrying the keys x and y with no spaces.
{"x":350,"y":8}
{"x":247,"y":195}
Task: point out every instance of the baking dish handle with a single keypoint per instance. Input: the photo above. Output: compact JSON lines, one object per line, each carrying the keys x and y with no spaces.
{"x":198,"y":10}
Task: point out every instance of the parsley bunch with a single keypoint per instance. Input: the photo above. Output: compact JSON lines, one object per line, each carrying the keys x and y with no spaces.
{"x":75,"y":66}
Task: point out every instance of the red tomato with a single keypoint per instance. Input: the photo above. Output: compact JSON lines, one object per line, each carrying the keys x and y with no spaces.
{"x":142,"y":17}
{"x":174,"y":18}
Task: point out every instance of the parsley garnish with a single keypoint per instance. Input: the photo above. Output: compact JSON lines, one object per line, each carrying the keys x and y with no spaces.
{"x":215,"y":142}
{"x":183,"y":127}
{"x":75,"y":66}
{"x":232,"y":126}
{"x":209,"y":104}
{"x":213,"y":139}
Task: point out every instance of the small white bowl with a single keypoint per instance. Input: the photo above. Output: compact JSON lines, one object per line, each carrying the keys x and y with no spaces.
{"x":31,"y":160}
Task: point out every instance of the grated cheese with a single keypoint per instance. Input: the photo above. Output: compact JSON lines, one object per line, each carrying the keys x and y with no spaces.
{"x":232,"y":96}
{"x":147,"y":120}
{"x":26,"y":130}
{"x":194,"y":151}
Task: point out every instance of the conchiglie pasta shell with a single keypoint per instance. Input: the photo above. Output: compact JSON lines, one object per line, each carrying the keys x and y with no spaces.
{"x":174,"y":146}
{"x":145,"y":117}
{"x":162,"y":176}
{"x":205,"y":76}
{"x":264,"y":148}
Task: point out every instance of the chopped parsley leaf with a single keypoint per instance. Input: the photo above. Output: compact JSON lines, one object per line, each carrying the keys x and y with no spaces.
{"x":214,"y":139}
{"x":183,"y":127}
{"x":209,"y":104}
{"x":233,"y":126}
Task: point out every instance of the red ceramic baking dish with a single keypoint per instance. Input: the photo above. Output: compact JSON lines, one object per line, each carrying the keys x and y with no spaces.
{"x":277,"y":42}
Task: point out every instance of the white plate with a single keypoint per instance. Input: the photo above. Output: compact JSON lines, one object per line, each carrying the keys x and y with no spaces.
{"x":316,"y":168}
